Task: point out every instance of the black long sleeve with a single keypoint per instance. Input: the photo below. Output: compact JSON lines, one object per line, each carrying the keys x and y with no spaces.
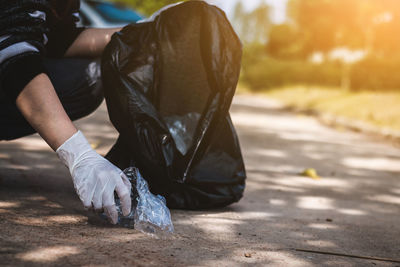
{"x":30,"y":30}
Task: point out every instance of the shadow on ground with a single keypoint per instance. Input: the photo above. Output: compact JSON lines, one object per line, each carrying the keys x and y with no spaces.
{"x":354,"y":208}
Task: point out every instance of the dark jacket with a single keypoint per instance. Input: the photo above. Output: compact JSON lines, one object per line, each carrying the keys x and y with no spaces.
{"x":30,"y":30}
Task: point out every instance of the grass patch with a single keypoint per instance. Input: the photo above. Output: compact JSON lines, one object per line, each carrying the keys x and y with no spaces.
{"x":380,"y":109}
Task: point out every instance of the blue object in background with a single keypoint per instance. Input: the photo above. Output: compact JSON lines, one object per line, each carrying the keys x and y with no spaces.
{"x":114,"y":13}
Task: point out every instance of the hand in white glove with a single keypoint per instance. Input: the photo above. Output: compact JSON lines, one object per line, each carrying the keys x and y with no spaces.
{"x":95,"y":178}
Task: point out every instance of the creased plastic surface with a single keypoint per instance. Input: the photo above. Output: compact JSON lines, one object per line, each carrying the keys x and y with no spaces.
{"x":149,"y":213}
{"x":168,"y":83}
{"x":182,"y":129}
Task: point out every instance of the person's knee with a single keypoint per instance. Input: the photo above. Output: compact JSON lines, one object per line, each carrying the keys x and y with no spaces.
{"x":78,"y":84}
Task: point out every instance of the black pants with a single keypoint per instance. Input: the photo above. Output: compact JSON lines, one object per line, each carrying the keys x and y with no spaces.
{"x":78,"y":85}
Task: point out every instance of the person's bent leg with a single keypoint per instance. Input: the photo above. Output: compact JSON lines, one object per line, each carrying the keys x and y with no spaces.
{"x":78,"y":85}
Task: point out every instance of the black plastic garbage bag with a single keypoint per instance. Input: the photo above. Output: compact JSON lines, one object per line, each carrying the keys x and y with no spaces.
{"x":169,"y":83}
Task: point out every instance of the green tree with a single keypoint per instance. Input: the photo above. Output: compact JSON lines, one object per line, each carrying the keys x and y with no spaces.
{"x":252,"y":26}
{"x":284,"y":42}
{"x":261,"y":23}
{"x":325,"y":24}
{"x":240,"y":20}
{"x":362,"y":24}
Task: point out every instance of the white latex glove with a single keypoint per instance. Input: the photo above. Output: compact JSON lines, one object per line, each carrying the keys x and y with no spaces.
{"x":95,"y":178}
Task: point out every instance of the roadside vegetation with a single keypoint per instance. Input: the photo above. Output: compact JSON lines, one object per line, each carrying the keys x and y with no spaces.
{"x":334,"y":56}
{"x":380,"y":109}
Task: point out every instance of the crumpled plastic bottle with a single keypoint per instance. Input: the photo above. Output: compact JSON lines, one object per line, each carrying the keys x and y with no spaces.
{"x":149,"y":213}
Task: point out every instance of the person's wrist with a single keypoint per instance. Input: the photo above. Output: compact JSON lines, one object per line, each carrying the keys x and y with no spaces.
{"x":73,"y":149}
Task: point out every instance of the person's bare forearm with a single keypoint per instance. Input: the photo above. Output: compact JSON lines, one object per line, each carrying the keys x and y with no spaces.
{"x":38,"y":101}
{"x":90,"y":43}
{"x":41,"y":107}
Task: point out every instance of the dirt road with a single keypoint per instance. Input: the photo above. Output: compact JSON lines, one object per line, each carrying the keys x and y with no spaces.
{"x":354,"y":208}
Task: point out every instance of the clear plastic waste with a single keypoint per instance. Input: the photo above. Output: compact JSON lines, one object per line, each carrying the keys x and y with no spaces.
{"x":150,"y":213}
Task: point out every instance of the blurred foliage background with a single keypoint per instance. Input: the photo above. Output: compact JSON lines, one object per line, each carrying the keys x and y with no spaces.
{"x":337,"y":57}
{"x":351,"y":44}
